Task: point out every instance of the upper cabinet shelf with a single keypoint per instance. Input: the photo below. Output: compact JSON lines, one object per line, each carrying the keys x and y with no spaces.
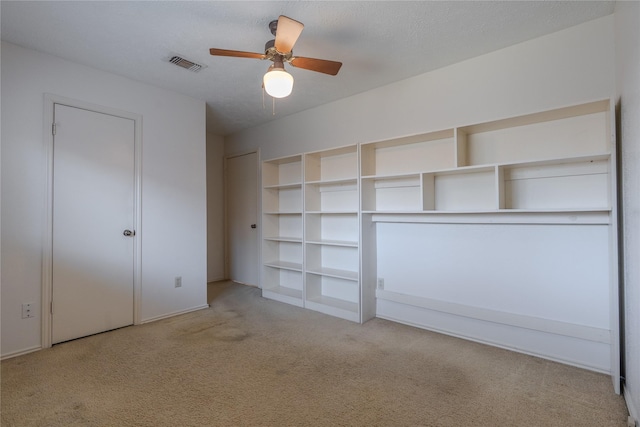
{"x":556,"y":160}
{"x":282,"y":173}
{"x":581,"y":130}
{"x":336,"y":165}
{"x":409,"y":155}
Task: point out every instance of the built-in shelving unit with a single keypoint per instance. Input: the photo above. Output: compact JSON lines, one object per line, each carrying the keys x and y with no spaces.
{"x":332,"y":275}
{"x":501,"y":231}
{"x":311,"y":226}
{"x":282,"y":219}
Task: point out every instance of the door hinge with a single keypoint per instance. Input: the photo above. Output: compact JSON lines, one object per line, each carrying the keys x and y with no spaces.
{"x":51,"y":307}
{"x":53,"y":129}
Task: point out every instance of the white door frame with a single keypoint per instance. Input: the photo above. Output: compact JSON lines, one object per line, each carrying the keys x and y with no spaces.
{"x":47,"y":255}
{"x":258,"y":209}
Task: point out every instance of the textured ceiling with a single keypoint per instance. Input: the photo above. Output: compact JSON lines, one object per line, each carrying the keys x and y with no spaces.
{"x":378,"y":42}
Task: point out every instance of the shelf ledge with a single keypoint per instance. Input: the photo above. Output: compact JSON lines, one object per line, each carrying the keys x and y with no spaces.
{"x":284,"y":265}
{"x":284,"y":239}
{"x":502,"y":216}
{"x":332,"y":272}
{"x":293,"y":185}
{"x":345,"y":243}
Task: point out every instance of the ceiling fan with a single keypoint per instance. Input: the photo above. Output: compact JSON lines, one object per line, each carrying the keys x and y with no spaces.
{"x":277,"y":82}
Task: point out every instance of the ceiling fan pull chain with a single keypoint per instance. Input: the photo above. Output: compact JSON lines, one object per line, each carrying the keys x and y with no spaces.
{"x":273,"y":106}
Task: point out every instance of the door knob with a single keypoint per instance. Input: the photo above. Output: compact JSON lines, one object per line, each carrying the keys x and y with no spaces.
{"x":129,"y":233}
{"x":253,"y":226}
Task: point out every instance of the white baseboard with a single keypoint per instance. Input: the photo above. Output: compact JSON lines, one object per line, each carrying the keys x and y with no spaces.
{"x":631,"y":405}
{"x":512,"y":319}
{"x":175,"y":313}
{"x":575,"y":345}
{"x":20,"y":352}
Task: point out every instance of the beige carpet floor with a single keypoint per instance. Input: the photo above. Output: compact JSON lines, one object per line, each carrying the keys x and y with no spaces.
{"x":248,"y":361}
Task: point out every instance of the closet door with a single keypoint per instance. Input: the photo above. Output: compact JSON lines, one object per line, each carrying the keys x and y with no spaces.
{"x":242,"y":218}
{"x":93,"y":218}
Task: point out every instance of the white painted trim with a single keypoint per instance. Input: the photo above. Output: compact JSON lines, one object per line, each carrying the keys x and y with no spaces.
{"x":258,"y":210}
{"x":567,"y":350}
{"x":47,"y":256}
{"x":614,"y":278}
{"x":631,"y":405}
{"x":20,"y":352}
{"x":510,"y":216}
{"x":47,"y":238}
{"x":175,"y":313}
{"x":511,"y":319}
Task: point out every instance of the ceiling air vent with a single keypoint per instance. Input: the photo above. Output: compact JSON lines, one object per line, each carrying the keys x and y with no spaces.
{"x":185,"y":63}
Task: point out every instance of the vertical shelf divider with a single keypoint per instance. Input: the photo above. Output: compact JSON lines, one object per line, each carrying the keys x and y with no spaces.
{"x":428,"y":192}
{"x":500,"y":190}
{"x":461,"y":148}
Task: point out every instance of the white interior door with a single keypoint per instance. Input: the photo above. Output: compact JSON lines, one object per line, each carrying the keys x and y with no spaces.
{"x":93,"y":205}
{"x":242,"y":219}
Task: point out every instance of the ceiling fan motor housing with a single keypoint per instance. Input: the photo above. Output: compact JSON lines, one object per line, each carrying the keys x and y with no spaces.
{"x":273,"y":27}
{"x":271,"y":44}
{"x":273,"y":54}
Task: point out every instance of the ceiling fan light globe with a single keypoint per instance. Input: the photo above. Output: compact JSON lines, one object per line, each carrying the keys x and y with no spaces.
{"x":278,"y":83}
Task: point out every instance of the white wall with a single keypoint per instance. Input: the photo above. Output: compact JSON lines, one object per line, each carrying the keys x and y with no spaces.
{"x":627,"y":32}
{"x":565,"y":68}
{"x":215,"y":207}
{"x":173,"y":186}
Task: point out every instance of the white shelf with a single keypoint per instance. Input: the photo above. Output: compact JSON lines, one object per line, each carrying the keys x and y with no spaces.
{"x":336,"y":212}
{"x":334,"y":272}
{"x":293,"y":185}
{"x":506,"y":216}
{"x":285,"y":265}
{"x":284,"y":239}
{"x":493,"y":211}
{"x":347,"y":243}
{"x":283,"y":213}
{"x":334,"y":182}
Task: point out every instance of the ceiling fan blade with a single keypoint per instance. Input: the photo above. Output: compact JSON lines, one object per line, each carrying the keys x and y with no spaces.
{"x":287,"y":33}
{"x":319,"y":65}
{"x":236,"y":53}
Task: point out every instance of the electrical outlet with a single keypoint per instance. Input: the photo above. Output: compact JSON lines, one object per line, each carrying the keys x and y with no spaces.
{"x":178,"y":282}
{"x":380,"y":283}
{"x":27,"y":310}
